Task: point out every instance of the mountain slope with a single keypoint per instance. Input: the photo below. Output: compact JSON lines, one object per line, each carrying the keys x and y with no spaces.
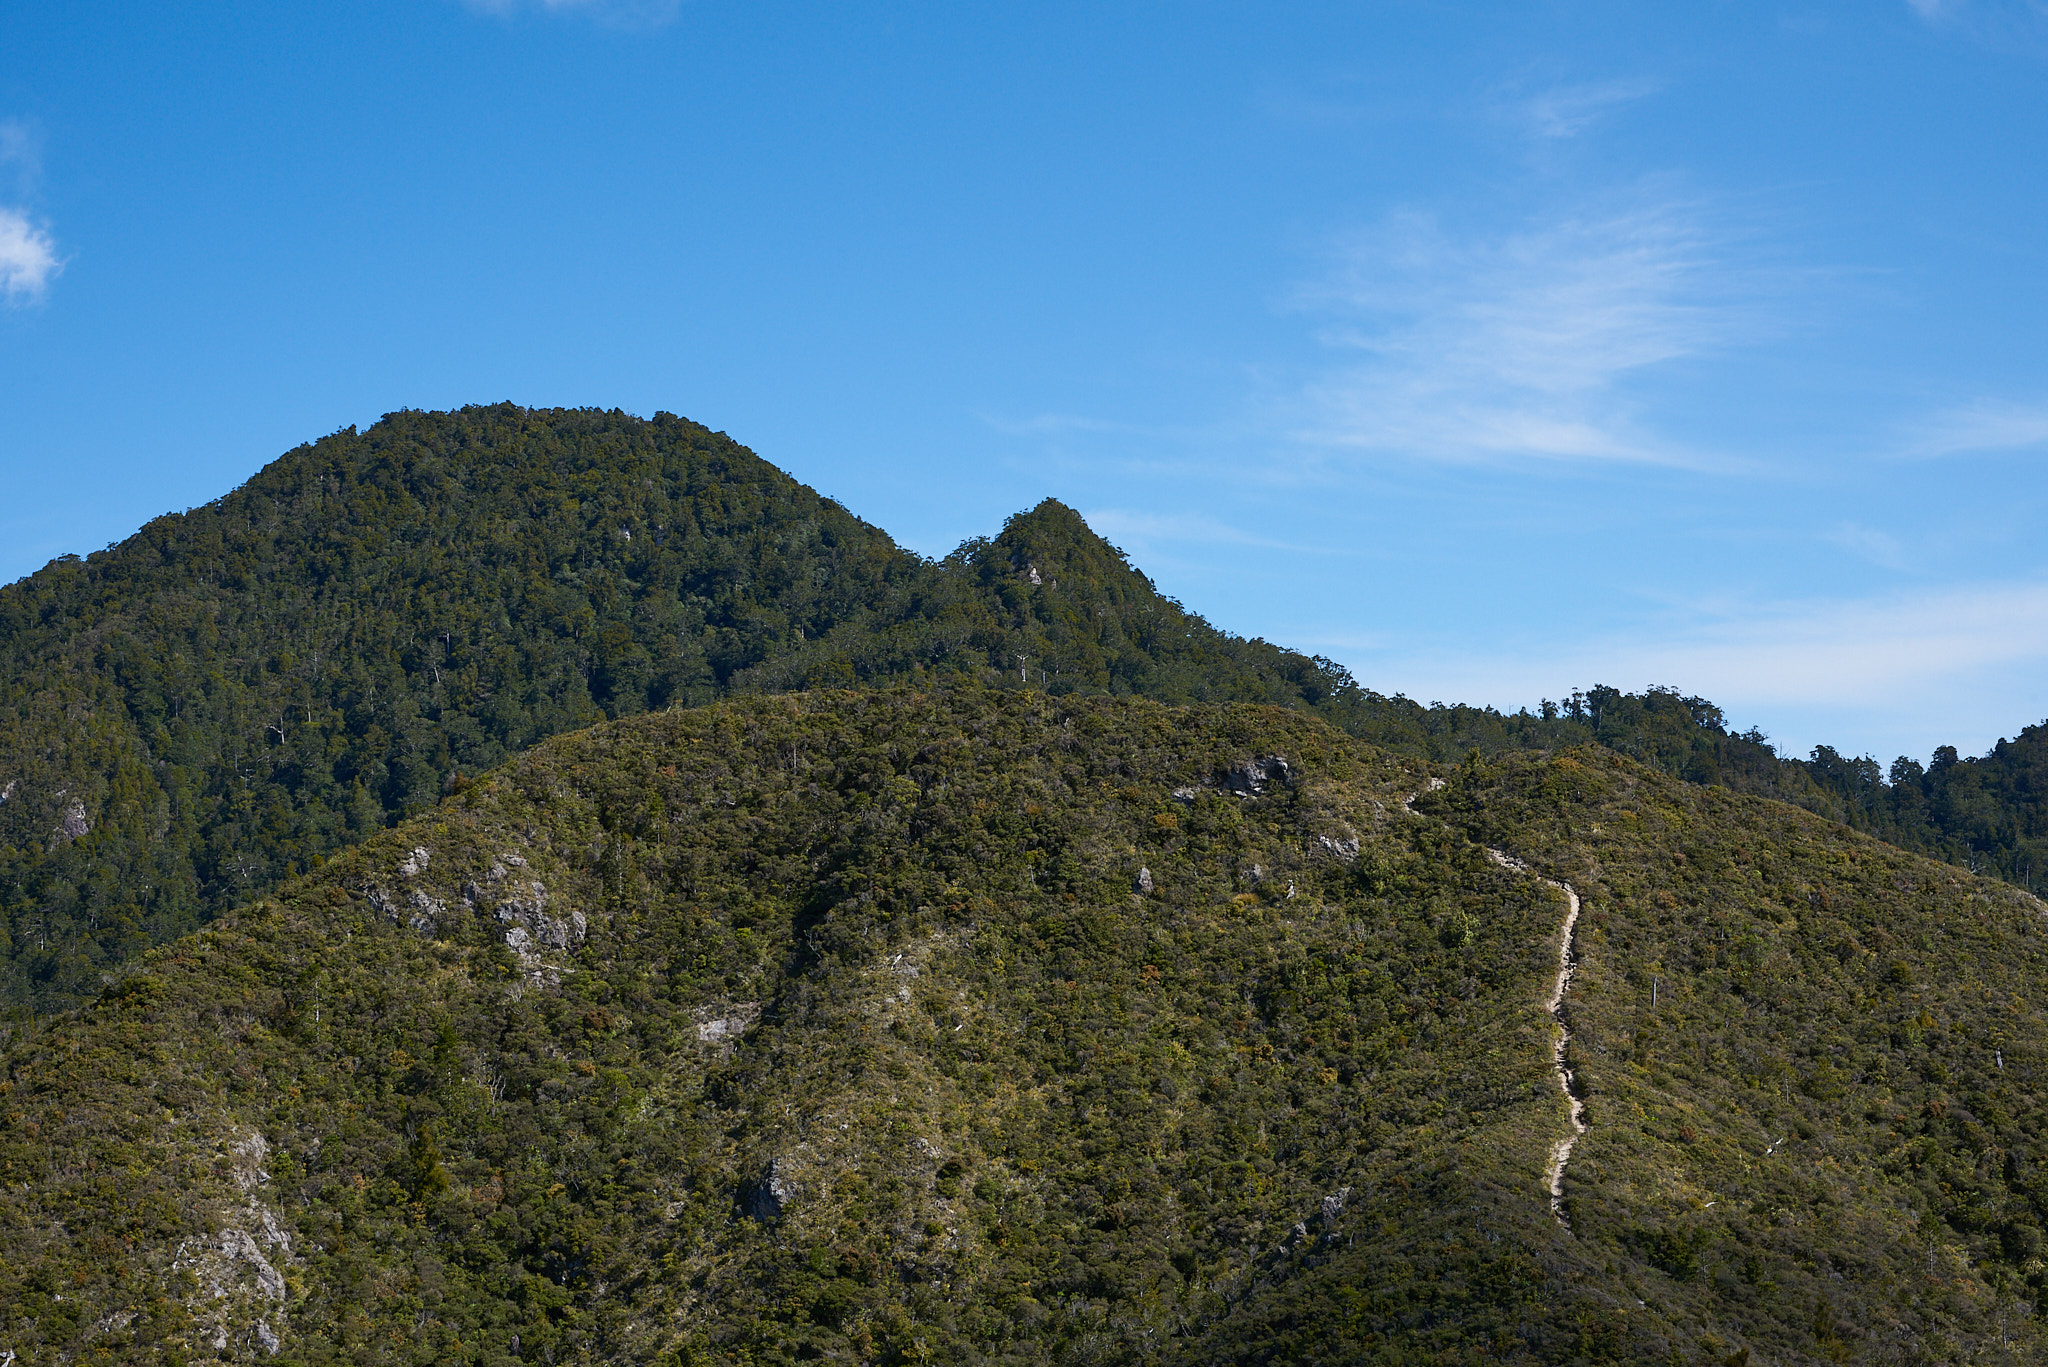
{"x":1989,"y":814}
{"x":235,"y":693}
{"x":984,"y":1025}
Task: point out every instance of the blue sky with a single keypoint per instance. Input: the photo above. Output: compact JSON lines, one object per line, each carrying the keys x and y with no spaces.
{"x":1492,"y":349}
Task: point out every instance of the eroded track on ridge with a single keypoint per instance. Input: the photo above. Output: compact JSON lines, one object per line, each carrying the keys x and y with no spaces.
{"x":1567,"y":963}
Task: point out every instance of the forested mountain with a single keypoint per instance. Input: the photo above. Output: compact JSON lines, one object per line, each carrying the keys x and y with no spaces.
{"x":236,"y":693}
{"x":986,"y":1026}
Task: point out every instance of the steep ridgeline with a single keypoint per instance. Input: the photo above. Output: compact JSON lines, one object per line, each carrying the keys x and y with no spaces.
{"x":987,"y":1026}
{"x":236,"y":693}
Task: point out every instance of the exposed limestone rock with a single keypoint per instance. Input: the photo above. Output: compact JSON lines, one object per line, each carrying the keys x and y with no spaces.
{"x":533,"y":934}
{"x":239,"y":1290}
{"x":729,"y":1024}
{"x":1345,"y":846}
{"x":415,"y":909}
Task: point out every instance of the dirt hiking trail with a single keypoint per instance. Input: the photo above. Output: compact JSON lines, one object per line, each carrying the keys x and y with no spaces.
{"x":1567,"y":963}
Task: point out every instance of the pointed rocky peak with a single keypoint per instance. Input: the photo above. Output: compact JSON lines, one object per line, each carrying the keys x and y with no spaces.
{"x":1052,"y":546}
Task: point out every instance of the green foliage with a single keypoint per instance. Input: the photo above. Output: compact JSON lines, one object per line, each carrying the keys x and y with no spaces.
{"x":843,"y":1025}
{"x":237,"y":693}
{"x":833,"y":1026}
{"x":1988,"y":814}
{"x":866,"y":1047}
{"x":1812,"y":1065}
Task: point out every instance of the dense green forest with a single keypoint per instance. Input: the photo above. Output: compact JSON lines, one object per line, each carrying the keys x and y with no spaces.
{"x":985,"y":1026}
{"x":1989,"y":814}
{"x":239,"y":692}
{"x":645,"y":914}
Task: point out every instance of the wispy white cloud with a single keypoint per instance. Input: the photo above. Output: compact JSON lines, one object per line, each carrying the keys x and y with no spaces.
{"x":2018,"y":26}
{"x":28,"y":258}
{"x":1137,"y":532}
{"x":28,"y":253}
{"x":1567,"y":111}
{"x":1524,"y":346}
{"x":1921,"y":655}
{"x":1863,"y":651}
{"x":1867,"y":543}
{"x":1986,"y":425}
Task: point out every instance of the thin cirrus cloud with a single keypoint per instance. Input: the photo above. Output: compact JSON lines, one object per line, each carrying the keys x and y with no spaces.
{"x":1867,"y":543}
{"x":1140,"y":533}
{"x":2018,"y":26}
{"x":1987,"y":425}
{"x":1567,"y":111}
{"x":1523,"y":347}
{"x":1906,"y":652}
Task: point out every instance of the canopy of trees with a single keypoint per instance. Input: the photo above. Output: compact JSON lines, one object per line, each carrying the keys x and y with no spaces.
{"x":236,"y":693}
{"x":844,"y":1027}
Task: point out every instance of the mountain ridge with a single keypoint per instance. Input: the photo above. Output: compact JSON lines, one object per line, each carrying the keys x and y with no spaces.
{"x":237,"y":693}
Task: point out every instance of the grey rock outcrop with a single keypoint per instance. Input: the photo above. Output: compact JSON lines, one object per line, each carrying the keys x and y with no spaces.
{"x":764,"y":1200}
{"x":1255,"y":776}
{"x":1345,"y":847}
{"x":716,"y":1025}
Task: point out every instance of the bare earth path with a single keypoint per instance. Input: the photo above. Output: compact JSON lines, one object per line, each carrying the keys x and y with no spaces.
{"x":1567,"y":960}
{"x":1567,"y":955}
